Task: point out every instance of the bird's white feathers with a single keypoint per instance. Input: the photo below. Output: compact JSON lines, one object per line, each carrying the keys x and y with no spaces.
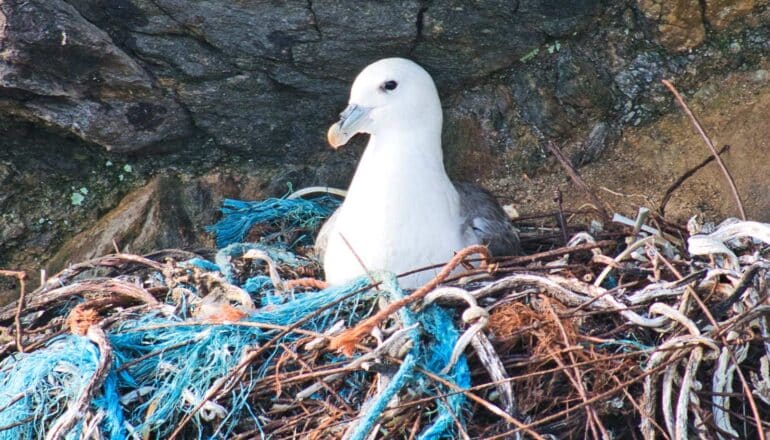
{"x":402,"y":212}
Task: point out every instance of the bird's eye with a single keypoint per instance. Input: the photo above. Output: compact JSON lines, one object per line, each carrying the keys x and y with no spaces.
{"x":389,"y":85}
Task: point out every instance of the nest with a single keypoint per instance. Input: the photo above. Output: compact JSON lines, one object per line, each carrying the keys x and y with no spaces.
{"x":618,"y":334}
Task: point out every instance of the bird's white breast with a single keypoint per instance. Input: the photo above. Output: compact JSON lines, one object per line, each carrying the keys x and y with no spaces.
{"x":401,"y":213}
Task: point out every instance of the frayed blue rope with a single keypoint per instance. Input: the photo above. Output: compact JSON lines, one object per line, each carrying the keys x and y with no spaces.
{"x":240,"y":216}
{"x":194,"y":355}
{"x":174,"y":361}
{"x":405,"y":371}
{"x":48,"y":380}
{"x":200,"y":263}
{"x":437,"y":325}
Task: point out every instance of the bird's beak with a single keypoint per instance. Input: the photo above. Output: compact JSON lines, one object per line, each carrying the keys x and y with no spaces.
{"x":352,"y":120}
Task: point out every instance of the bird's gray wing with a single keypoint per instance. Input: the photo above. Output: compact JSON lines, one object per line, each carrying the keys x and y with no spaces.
{"x":485,"y":219}
{"x":322,"y":239}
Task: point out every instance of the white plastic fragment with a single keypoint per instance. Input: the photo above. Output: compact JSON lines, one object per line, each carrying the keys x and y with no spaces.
{"x":722,"y":387}
{"x":761,"y":381}
{"x":715,"y":242}
{"x":623,"y":220}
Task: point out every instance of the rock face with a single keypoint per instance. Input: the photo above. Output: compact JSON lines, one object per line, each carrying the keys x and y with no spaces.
{"x":168,"y":212}
{"x":679,"y":24}
{"x":59,"y":69}
{"x":100,"y":99}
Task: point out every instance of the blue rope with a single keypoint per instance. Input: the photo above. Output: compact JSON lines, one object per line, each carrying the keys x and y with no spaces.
{"x":209,"y":352}
{"x":172,"y":361}
{"x":439,"y":327}
{"x":48,"y":379}
{"x":405,"y":371}
{"x":436,"y":324}
{"x":239,"y":216}
{"x":200,"y":263}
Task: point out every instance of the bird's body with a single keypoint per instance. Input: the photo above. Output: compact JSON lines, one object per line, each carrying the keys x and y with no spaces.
{"x":402,"y":212}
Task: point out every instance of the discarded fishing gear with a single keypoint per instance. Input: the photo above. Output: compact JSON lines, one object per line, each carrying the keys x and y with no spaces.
{"x":201,"y":349}
{"x":624,"y":332}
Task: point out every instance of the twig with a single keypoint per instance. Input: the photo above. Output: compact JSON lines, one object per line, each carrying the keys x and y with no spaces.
{"x":346,"y":341}
{"x":21,"y":422}
{"x":710,"y":144}
{"x":132,"y":362}
{"x":575,"y":176}
{"x":508,"y":262}
{"x":322,"y":383}
{"x":415,"y":428}
{"x":557,"y":197}
{"x":78,"y":407}
{"x":689,"y":173}
{"x":459,"y":425}
{"x":13,"y":400}
{"x":21,"y":276}
{"x":358,"y":259}
{"x":218,"y":385}
{"x":641,"y":410}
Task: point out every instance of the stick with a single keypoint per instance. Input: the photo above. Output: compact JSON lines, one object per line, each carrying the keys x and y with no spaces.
{"x":77,"y":408}
{"x":358,"y":259}
{"x":347,"y":340}
{"x":21,"y":276}
{"x":557,"y":197}
{"x":508,"y":262}
{"x":710,"y":144}
{"x":689,"y":173}
{"x":573,"y":174}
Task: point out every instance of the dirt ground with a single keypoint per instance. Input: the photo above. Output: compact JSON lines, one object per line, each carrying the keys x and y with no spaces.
{"x":734,"y":110}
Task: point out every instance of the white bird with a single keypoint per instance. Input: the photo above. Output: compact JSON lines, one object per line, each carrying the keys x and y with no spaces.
{"x":401,"y":211}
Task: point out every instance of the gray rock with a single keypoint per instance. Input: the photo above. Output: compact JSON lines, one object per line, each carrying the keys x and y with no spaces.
{"x":461,"y":39}
{"x":144,"y":222}
{"x":593,"y":147}
{"x":251,"y":86}
{"x":64,"y":72}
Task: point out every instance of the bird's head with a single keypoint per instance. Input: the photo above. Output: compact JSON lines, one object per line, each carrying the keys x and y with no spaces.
{"x":390,"y":94}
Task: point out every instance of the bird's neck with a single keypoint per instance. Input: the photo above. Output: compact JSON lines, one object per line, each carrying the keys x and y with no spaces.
{"x":402,"y":167}
{"x":414,"y":151}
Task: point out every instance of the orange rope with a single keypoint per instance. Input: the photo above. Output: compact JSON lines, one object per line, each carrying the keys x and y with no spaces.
{"x":347,"y":340}
{"x":306,"y":282}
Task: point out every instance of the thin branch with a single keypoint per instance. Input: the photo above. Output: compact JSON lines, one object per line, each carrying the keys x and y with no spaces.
{"x":77,"y":408}
{"x":689,"y":173}
{"x":21,"y":276}
{"x":577,"y":179}
{"x":347,"y":340}
{"x":710,"y":144}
